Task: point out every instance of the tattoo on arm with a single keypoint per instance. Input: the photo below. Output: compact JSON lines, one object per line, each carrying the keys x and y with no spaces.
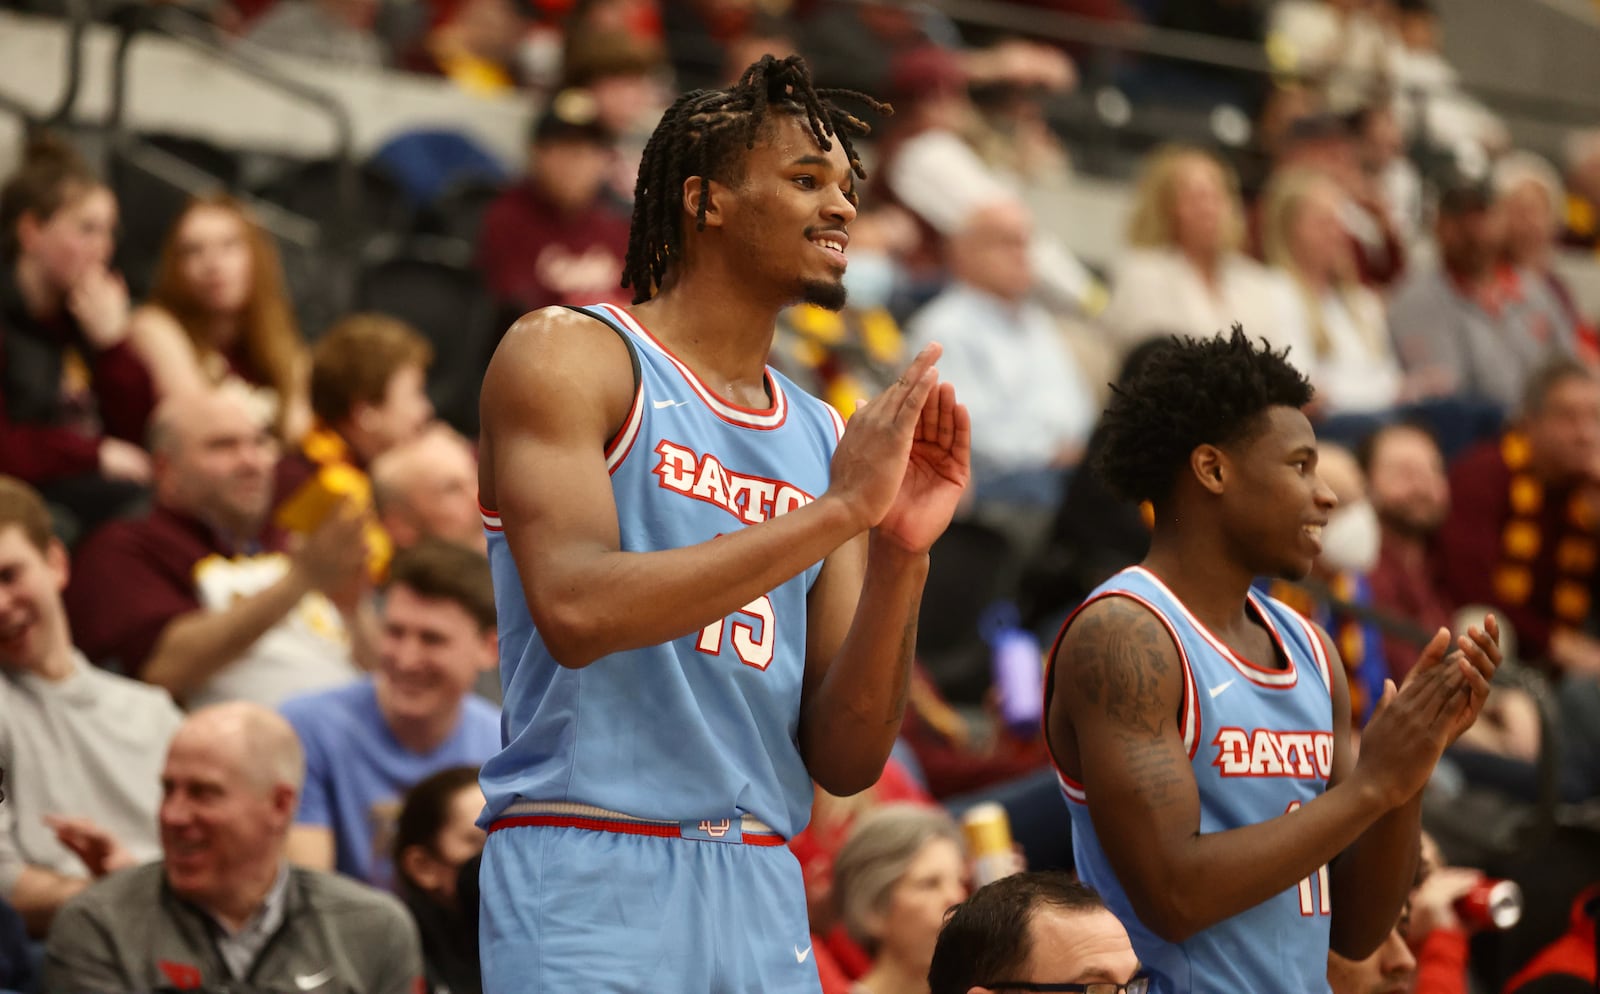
{"x":1120,"y":663}
{"x":1155,"y":768}
{"x":907,"y":649}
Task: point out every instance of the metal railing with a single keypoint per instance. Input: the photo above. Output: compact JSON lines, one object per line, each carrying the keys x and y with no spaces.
{"x":195,"y":33}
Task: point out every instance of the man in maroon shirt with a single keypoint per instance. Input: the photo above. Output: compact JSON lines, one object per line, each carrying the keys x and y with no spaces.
{"x":198,"y":597}
{"x":1522,"y":535}
{"x":553,"y":238}
{"x":1408,"y":488}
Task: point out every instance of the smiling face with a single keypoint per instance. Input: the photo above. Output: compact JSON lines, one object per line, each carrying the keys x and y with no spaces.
{"x":784,"y":216}
{"x":33,"y":623}
{"x":223,"y":822}
{"x":1273,"y":502}
{"x":429,"y":656}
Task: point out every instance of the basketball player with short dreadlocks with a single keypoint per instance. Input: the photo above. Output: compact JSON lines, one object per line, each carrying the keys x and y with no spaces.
{"x":707,"y":586}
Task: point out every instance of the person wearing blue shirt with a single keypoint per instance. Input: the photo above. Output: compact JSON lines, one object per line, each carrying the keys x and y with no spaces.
{"x":370,"y":741}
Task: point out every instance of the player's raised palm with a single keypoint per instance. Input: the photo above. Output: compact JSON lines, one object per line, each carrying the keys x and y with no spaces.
{"x":937,"y":472}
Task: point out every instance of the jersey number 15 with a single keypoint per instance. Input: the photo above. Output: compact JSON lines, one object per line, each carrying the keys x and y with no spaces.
{"x":754,"y":648}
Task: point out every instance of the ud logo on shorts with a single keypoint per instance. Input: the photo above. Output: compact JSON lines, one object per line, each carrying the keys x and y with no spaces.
{"x":713,"y":830}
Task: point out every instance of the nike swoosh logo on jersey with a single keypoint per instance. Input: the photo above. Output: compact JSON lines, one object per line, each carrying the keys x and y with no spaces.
{"x":800,"y":957}
{"x":312,"y":981}
{"x":658,"y":405}
{"x":1219,"y":688}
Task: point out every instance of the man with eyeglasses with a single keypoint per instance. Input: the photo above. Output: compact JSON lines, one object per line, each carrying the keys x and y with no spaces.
{"x":1040,"y":931}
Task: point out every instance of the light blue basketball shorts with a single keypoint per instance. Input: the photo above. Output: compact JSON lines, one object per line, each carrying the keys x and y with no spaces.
{"x":608,"y":909}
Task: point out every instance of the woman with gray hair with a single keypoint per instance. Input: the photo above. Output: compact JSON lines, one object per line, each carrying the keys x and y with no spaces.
{"x":900,"y":872}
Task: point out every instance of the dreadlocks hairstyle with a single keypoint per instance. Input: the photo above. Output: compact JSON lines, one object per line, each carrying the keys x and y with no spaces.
{"x":701,"y":133}
{"x":1191,"y":392}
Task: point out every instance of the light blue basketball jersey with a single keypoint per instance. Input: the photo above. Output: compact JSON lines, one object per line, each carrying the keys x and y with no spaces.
{"x":705,"y":726}
{"x":1261,"y":744}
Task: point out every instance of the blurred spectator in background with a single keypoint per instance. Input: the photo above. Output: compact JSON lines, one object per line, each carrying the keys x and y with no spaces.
{"x":1042,"y":929}
{"x":1185,"y":272}
{"x":477,"y":46}
{"x":1380,"y":147}
{"x":1032,"y":410}
{"x":338,"y":31}
{"x":627,"y":76}
{"x":428,"y":488}
{"x":931,"y":166}
{"x":436,"y":837}
{"x":1458,"y":323}
{"x":854,"y":45}
{"x":369,"y":742}
{"x":899,"y":874}
{"x":1529,"y":193}
{"x":82,"y":747}
{"x":1344,"y":46}
{"x":368,"y":379}
{"x":554,"y":238}
{"x":1392,"y":969}
{"x":1350,"y":360}
{"x":1581,"y":211}
{"x":1435,"y":933}
{"x":1445,"y":117}
{"x":1567,"y":965}
{"x":223,"y":907}
{"x":1411,"y":494}
{"x":198,"y":597}
{"x":1521,"y":535}
{"x":1328,"y":144}
{"x":219,"y":311}
{"x":74,"y":397}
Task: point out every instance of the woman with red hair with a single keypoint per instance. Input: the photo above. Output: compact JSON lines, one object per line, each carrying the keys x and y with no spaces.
{"x":219,"y":313}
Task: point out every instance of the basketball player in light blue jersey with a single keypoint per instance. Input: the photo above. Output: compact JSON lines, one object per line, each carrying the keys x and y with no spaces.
{"x":707,"y":585}
{"x":1202,"y":732}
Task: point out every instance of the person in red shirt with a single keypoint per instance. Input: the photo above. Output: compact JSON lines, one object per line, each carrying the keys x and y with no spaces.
{"x":553,"y":238}
{"x":74,"y":397}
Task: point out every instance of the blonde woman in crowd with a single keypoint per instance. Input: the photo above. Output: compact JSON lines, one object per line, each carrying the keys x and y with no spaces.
{"x":219,"y":312}
{"x":902,"y":869}
{"x":1349,"y":355}
{"x":1185,"y":272}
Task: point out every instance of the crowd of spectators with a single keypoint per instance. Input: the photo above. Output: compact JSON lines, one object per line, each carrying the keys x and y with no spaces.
{"x":246,"y":622}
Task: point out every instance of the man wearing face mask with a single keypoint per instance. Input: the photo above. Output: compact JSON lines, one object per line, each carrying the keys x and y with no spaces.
{"x":1350,"y":542}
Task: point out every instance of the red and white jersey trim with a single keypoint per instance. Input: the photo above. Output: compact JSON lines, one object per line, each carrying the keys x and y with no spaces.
{"x":744,"y":417}
{"x":491,"y":519}
{"x":622,"y":444}
{"x":1259,"y":675}
{"x":1319,"y":652}
{"x":838,"y":421}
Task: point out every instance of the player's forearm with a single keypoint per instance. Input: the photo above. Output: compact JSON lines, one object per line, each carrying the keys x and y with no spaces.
{"x":1371,"y":880}
{"x":1217,"y":875}
{"x":39,"y":893}
{"x":589,"y":606}
{"x":849,"y":725}
{"x":194,"y":646}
